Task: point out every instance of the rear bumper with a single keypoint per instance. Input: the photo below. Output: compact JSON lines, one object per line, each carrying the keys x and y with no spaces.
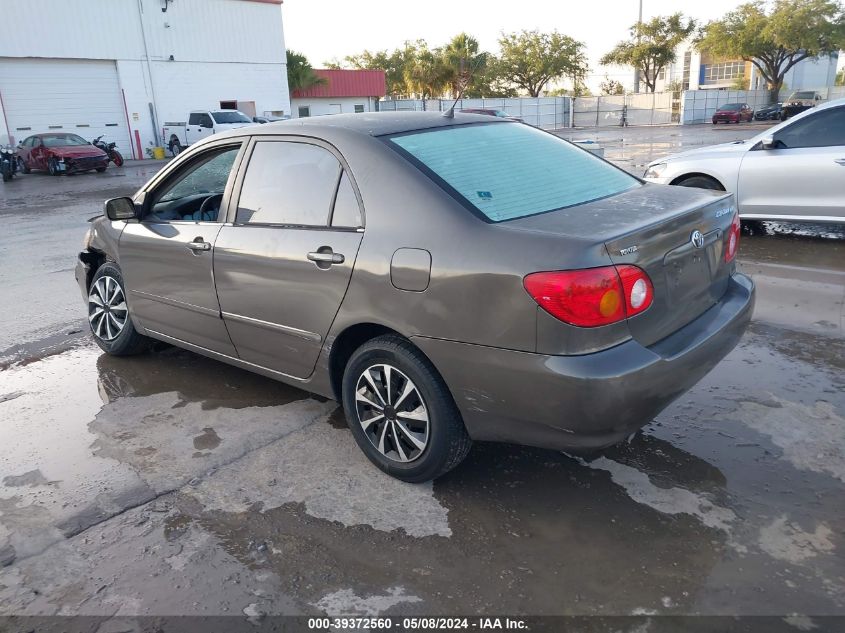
{"x":591,"y":401}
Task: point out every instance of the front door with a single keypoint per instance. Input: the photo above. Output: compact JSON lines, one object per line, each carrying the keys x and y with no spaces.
{"x":804,"y":175}
{"x":200,"y":126}
{"x":282,"y":268}
{"x":166,"y":258}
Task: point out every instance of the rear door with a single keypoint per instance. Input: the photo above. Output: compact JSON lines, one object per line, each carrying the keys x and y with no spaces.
{"x":283,"y":266}
{"x":804,"y":176}
{"x":166,"y":258}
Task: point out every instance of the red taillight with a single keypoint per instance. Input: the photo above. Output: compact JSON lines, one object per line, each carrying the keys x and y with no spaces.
{"x":593,"y":296}
{"x":732,"y":245}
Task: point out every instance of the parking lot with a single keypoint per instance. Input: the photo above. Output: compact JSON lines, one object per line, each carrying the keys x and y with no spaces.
{"x":171,"y":484}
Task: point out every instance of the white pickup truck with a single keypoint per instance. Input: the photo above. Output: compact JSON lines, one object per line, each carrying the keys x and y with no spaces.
{"x":201,"y":123}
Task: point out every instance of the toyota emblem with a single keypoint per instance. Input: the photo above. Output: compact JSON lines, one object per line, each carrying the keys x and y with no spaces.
{"x":697,"y":239}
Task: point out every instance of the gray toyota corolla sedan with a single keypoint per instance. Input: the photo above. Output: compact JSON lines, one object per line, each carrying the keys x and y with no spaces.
{"x":446,"y":279}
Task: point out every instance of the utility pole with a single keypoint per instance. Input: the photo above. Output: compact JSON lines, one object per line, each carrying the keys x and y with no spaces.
{"x":639,"y":27}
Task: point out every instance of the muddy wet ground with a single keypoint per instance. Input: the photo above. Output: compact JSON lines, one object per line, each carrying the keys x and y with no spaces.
{"x":170,"y":484}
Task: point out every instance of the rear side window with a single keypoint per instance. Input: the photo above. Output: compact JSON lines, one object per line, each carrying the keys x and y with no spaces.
{"x":288,"y":183}
{"x":194,"y":118}
{"x":347,"y":213}
{"x":510,"y":170}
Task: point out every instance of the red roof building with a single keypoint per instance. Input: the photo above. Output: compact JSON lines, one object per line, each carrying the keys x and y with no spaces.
{"x":344,"y":91}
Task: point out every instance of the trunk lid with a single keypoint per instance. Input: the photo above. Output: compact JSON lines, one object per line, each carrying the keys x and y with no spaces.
{"x":652,"y":227}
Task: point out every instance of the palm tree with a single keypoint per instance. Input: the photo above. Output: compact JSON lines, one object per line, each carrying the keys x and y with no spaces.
{"x":301,"y":75}
{"x":463,"y":62}
{"x":426,"y":74}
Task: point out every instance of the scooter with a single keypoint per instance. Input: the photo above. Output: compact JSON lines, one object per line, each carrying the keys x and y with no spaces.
{"x":8,"y":162}
{"x":109,"y":148}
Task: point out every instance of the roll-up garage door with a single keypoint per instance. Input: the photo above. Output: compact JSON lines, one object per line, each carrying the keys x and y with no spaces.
{"x":63,"y":95}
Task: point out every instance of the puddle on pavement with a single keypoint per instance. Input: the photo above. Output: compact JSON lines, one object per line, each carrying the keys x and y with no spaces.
{"x":208,"y":440}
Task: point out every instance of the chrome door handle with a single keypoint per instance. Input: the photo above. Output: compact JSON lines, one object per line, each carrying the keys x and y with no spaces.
{"x":326,"y":258}
{"x":839,"y":161}
{"x":199,"y":245}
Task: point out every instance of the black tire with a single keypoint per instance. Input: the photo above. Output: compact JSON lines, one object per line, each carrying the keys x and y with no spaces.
{"x":22,"y":166}
{"x":702,"y":182}
{"x":117,"y":158}
{"x":175,"y":147}
{"x":7,"y":175}
{"x":100,"y":170}
{"x":53,"y":167}
{"x":447,"y":442}
{"x":127,"y":342}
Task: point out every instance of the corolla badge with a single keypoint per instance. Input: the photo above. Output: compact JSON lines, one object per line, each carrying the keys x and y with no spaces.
{"x":629,"y":250}
{"x":697,"y":239}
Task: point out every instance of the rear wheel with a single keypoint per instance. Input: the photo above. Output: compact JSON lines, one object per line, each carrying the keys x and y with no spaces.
{"x":702,"y":182}
{"x":108,"y":314}
{"x":100,"y":170}
{"x":117,"y":158}
{"x":401,"y":412}
{"x":175,"y":147}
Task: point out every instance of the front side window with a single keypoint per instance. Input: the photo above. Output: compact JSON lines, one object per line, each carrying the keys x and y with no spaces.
{"x":825,"y":128}
{"x":288,"y":183}
{"x":509,"y":170}
{"x":196,"y":192}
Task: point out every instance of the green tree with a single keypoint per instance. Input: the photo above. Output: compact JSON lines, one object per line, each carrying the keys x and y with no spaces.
{"x":301,"y":75}
{"x":426,"y":74}
{"x":840,"y":78}
{"x":774,"y":37}
{"x":464,"y":63}
{"x":393,"y":64}
{"x":611,"y":87}
{"x":652,"y":46}
{"x":530,"y":59}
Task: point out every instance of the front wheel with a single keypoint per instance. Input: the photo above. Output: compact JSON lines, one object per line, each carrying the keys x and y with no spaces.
{"x":53,"y":167}
{"x":22,"y":166}
{"x":117,"y":158}
{"x":400,"y":411}
{"x":108,"y":314}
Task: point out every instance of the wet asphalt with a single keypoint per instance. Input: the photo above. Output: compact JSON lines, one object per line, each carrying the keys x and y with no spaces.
{"x":171,"y":484}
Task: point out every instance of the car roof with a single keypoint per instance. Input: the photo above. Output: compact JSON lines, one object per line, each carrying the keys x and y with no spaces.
{"x":376,"y":123}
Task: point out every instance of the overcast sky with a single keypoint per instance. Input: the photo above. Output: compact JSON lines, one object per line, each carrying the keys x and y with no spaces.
{"x":327,"y":29}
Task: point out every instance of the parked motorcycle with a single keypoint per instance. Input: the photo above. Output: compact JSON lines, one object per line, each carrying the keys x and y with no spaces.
{"x":109,"y":148}
{"x":8,"y":162}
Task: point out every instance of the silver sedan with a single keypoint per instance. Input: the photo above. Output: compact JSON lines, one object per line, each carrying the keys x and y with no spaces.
{"x":794,"y":171}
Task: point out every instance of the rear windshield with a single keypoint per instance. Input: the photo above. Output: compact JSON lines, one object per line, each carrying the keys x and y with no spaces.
{"x":510,"y":170}
{"x":233,"y":116}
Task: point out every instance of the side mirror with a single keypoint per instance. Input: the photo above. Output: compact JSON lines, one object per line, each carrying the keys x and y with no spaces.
{"x":768,"y":143}
{"x":120,"y":209}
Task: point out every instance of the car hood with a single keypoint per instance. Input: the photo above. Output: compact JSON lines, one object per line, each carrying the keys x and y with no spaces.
{"x":77,"y":152}
{"x":711,"y":151}
{"x":231,"y":126}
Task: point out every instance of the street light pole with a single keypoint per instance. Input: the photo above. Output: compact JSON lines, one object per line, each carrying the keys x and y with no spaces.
{"x":636,"y":69}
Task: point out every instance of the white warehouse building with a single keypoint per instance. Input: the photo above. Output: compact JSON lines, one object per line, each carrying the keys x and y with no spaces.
{"x":125,"y":68}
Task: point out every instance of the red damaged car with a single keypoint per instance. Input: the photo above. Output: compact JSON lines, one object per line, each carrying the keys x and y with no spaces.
{"x":733,"y":113}
{"x":60,"y":154}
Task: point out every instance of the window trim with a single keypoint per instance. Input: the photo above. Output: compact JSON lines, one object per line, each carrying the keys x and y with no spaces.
{"x":234,"y":200}
{"x":145,"y":197}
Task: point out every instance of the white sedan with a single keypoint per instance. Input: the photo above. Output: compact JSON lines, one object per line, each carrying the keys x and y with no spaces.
{"x":794,"y":171}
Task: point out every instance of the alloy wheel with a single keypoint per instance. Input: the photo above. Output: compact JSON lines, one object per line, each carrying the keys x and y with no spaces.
{"x":107,"y":310}
{"x":392,"y":413}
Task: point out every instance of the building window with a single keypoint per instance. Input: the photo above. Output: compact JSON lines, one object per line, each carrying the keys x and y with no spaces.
{"x":726,"y":71}
{"x":359,"y":108}
{"x":304,"y":111}
{"x":686,"y":72}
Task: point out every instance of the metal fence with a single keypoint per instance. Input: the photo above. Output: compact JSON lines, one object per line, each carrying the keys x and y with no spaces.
{"x":698,"y":106}
{"x":549,"y":113}
{"x":634,"y":109}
